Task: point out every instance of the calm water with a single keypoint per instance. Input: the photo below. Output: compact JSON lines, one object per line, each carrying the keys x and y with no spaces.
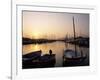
{"x":57,"y":48}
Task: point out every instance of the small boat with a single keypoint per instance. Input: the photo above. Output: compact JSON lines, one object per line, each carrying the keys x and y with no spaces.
{"x":36,"y":60}
{"x":48,"y":60}
{"x":27,"y":59}
{"x":69,"y":55}
{"x":70,"y":60}
{"x":32,"y":55}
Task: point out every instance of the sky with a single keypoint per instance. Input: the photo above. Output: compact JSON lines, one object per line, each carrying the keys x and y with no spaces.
{"x":54,"y":24}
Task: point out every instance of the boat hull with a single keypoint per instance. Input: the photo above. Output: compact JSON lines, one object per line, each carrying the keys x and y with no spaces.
{"x":39,"y":61}
{"x":72,"y":60}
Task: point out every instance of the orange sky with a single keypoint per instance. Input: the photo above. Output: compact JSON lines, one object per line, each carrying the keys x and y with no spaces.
{"x":53,"y":25}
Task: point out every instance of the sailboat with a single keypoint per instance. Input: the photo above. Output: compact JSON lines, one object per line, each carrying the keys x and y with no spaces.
{"x":70,"y":56}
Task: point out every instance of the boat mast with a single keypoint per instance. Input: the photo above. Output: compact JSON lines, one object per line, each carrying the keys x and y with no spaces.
{"x":74,"y":36}
{"x":74,"y":28}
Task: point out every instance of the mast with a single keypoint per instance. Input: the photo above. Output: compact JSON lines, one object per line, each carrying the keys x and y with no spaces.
{"x":74,"y":36}
{"x":74,"y":28}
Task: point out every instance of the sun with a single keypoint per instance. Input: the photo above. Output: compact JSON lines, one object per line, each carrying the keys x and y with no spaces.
{"x":35,"y":35}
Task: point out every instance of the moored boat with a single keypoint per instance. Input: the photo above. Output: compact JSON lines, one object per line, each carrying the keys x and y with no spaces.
{"x":71,"y":57}
{"x":32,"y":55}
{"x":70,"y":60}
{"x":36,"y":60}
{"x":48,"y":60}
{"x":27,"y":59}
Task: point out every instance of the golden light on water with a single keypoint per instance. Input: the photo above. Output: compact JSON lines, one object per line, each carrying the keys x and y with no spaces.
{"x":36,"y":47}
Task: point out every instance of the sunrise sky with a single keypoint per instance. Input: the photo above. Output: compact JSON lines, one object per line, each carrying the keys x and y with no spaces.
{"x":53,"y":25}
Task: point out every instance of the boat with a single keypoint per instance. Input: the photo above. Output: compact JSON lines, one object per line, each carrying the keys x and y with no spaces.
{"x":36,"y":60}
{"x":72,"y":60}
{"x":32,"y":55}
{"x":48,"y":60}
{"x":71,"y":57}
{"x":27,"y":59}
{"x":68,"y":55}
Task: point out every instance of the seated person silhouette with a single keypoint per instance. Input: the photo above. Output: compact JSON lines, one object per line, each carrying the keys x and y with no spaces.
{"x":50,"y":52}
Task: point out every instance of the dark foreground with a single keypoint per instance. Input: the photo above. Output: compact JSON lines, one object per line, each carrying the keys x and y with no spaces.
{"x":37,"y":60}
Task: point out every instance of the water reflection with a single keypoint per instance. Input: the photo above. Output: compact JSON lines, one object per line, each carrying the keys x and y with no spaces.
{"x":57,"y":48}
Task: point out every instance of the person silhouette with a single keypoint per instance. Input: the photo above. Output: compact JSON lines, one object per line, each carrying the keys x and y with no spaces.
{"x":50,"y":52}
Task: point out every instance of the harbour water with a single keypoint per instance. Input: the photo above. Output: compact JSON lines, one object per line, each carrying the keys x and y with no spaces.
{"x":57,"y":48}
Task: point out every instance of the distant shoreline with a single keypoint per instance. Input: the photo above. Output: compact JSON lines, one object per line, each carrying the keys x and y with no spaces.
{"x":37,"y":41}
{"x":82,"y":42}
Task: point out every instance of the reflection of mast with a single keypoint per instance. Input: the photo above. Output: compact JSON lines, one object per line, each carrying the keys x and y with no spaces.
{"x":74,"y":36}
